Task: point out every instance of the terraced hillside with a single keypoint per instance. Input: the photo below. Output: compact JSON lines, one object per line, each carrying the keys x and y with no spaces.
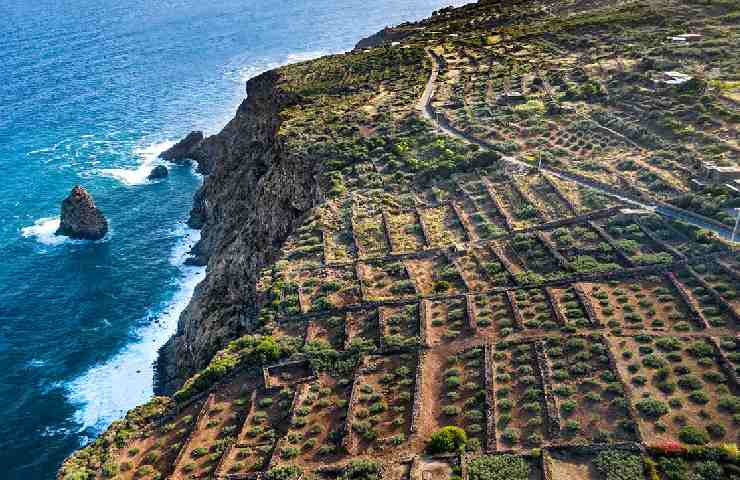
{"x":512,"y":218}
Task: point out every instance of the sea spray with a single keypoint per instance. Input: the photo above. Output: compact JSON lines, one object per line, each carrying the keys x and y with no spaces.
{"x":149,"y":158}
{"x":44,"y":231}
{"x":107,"y":391}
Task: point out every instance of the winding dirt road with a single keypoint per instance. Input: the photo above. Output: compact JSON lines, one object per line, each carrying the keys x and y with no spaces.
{"x":427,"y":110}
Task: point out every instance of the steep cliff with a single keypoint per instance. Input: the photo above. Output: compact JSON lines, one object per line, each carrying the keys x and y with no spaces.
{"x":430,"y":234}
{"x":294,"y":140}
{"x":254,"y":195}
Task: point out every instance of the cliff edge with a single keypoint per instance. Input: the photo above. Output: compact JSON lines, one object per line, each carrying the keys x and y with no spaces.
{"x":254,"y":195}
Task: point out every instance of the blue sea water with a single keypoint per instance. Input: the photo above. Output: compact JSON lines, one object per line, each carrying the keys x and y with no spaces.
{"x":90,"y":92}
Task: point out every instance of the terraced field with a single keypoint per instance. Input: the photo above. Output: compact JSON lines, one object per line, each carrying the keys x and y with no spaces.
{"x":511,"y":244}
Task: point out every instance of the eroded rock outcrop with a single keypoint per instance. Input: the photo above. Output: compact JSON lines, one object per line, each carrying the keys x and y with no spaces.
{"x":158,"y":172}
{"x":80,"y":218}
{"x":185,"y":149}
{"x":255,"y":195}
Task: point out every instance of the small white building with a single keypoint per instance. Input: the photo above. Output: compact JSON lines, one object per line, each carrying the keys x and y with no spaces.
{"x":686,"y":37}
{"x":673,"y":78}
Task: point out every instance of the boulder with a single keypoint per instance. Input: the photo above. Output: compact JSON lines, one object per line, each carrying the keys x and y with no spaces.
{"x":80,"y":218}
{"x":160,"y":171}
{"x":183,"y":149}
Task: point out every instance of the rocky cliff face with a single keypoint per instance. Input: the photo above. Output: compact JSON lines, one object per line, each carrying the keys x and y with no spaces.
{"x":183,"y":149}
{"x":256,"y":193}
{"x":80,"y":218}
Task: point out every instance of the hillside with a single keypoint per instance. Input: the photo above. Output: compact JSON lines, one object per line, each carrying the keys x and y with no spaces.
{"x":512,"y":217}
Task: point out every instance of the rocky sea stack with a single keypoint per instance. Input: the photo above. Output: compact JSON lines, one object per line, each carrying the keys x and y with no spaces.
{"x":158,"y":172}
{"x":81,"y":219}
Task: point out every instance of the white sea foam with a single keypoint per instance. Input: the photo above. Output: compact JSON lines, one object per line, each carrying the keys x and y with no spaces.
{"x":107,"y":391}
{"x":36,"y":363}
{"x":149,"y":158}
{"x":44,"y":230}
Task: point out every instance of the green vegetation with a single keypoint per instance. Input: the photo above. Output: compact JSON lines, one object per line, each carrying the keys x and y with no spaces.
{"x":619,"y":465}
{"x":498,"y":467}
{"x":458,"y":241}
{"x":248,"y":350}
{"x":448,"y":439}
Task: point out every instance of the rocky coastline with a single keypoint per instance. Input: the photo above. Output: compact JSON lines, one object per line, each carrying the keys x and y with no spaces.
{"x":255,"y":193}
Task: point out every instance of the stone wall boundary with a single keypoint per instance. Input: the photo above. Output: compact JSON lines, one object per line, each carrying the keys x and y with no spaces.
{"x":242,"y":430}
{"x":349,"y":442}
{"x":501,"y":257}
{"x":392,"y":246}
{"x":381,"y":329}
{"x":560,"y":194}
{"x":418,"y":385}
{"x":546,"y":465}
{"x":621,"y":274}
{"x":489,"y":371}
{"x":551,"y":410}
{"x":526,"y":197}
{"x":424,"y":228}
{"x":631,"y":410}
{"x":727,"y":367}
{"x":588,"y":307}
{"x":555,"y":306}
{"x":288,"y":364}
{"x":360,"y":282}
{"x":424,"y":315}
{"x":470,"y":313}
{"x":612,"y":243}
{"x":501,"y":210}
{"x":564,"y":265}
{"x":654,"y":238}
{"x":299,"y":393}
{"x":196,"y":426}
{"x":465,"y":222}
{"x":515,"y":313}
{"x":729,"y":271}
{"x":687,"y":300}
{"x":715,"y":294}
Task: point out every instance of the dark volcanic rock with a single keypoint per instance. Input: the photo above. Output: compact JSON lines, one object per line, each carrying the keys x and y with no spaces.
{"x":256,"y":192}
{"x":81,"y":218}
{"x":184,"y":149}
{"x":160,"y":171}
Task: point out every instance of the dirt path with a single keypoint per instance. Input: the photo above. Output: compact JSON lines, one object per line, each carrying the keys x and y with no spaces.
{"x":427,"y":110}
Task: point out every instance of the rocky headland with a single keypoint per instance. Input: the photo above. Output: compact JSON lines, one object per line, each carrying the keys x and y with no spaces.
{"x":255,"y":194}
{"x":428,"y":235}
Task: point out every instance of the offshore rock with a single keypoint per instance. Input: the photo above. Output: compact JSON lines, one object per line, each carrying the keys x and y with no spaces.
{"x":80,"y":218}
{"x":160,"y":171}
{"x":184,"y":149}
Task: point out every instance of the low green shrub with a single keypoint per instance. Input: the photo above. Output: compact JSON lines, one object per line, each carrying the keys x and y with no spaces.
{"x":448,"y":439}
{"x":498,"y":467}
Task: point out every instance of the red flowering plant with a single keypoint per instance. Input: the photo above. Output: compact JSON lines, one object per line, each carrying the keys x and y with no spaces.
{"x":668,"y":448}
